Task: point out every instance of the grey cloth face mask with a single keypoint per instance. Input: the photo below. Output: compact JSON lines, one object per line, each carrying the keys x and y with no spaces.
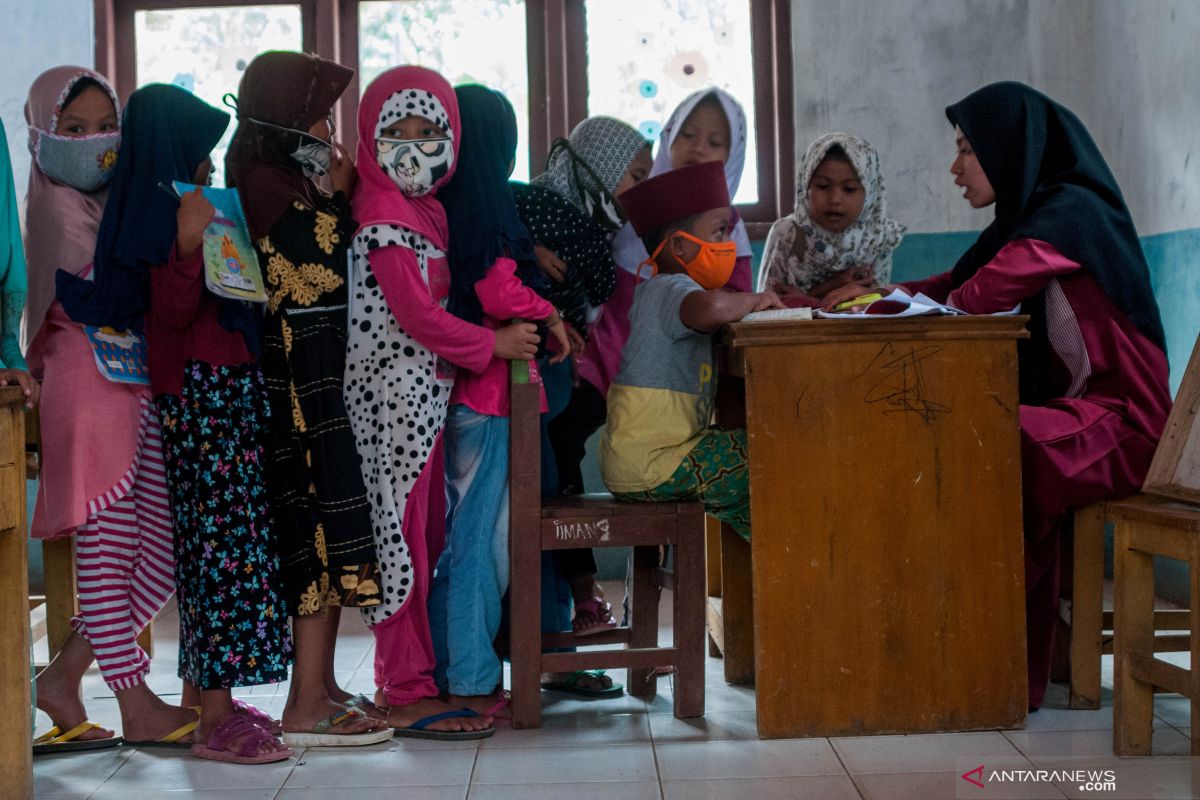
{"x":81,"y":162}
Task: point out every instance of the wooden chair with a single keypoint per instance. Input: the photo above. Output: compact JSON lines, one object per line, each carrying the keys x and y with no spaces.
{"x":730,"y":609}
{"x":1091,"y":627}
{"x":598,"y":521}
{"x":1146,"y":527}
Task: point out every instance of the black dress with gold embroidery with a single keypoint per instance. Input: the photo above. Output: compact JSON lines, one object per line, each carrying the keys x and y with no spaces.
{"x":318,"y":498}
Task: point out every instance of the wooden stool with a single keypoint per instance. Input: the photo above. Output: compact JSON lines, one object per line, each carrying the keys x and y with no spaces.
{"x":730,"y":609}
{"x":1146,"y":527}
{"x":1090,"y":625}
{"x":598,"y":521}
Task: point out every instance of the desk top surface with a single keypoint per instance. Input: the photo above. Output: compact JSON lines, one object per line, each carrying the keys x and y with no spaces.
{"x":783,"y":332}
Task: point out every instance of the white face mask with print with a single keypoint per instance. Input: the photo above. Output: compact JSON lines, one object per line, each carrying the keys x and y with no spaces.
{"x":414,"y":165}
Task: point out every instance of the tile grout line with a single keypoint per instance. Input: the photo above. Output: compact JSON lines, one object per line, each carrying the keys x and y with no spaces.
{"x":858,"y":790}
{"x":662,"y":793}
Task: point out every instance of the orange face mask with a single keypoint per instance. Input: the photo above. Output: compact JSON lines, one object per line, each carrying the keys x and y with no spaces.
{"x":711,"y":268}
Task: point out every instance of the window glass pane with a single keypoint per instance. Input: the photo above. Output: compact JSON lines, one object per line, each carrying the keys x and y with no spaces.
{"x":645,"y":56}
{"x":205,"y":50}
{"x":467,"y":41}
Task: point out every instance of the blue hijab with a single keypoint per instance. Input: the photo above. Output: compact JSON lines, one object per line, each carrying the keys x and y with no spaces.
{"x":166,"y":133}
{"x":483,"y":219}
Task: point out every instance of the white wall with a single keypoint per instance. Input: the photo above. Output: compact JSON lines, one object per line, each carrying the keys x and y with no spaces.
{"x":39,"y":34}
{"x":886,"y":69}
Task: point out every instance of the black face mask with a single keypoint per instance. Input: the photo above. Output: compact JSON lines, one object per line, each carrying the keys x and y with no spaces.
{"x":599,"y":203}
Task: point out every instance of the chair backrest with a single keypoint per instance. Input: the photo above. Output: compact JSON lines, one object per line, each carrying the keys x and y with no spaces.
{"x":1175,"y":471}
{"x":524,"y":448}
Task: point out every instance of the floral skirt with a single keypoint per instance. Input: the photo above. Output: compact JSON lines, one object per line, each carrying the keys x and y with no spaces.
{"x":233,"y":627}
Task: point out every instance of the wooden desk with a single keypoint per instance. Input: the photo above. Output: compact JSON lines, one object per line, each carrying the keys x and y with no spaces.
{"x":885,"y":492}
{"x":16,"y":747}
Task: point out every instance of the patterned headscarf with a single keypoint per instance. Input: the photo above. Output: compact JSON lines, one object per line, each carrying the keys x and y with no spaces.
{"x":802,"y":254}
{"x":586,"y":167}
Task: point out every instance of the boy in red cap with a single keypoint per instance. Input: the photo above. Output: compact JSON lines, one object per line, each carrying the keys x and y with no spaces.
{"x":657,"y":445}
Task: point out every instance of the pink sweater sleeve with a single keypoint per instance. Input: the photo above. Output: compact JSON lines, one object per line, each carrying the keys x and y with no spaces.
{"x":459,"y":342}
{"x":504,"y":297}
{"x":176,"y":289}
{"x":1019,"y":271}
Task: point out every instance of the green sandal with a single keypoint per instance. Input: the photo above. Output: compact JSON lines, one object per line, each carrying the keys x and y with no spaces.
{"x":571,"y":685}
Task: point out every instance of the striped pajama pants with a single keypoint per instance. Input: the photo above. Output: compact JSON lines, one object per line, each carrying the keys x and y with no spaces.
{"x":125,"y":561}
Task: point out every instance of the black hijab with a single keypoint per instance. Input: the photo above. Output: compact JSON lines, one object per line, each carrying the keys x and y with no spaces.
{"x":483,"y":219}
{"x":166,"y":133}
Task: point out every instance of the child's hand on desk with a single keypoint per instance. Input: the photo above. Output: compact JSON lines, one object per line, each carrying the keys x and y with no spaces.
{"x":193,"y":216}
{"x":516,"y":342}
{"x":765,"y":300}
{"x":860,"y":276}
{"x":28,"y":384}
{"x":847,"y":292}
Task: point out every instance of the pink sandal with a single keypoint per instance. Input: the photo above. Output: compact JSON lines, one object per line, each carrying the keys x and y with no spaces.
{"x":259,"y":717}
{"x":589,"y":617}
{"x":248,"y":737}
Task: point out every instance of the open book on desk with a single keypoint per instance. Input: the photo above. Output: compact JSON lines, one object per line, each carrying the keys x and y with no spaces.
{"x":900,"y":304}
{"x":777,"y":314}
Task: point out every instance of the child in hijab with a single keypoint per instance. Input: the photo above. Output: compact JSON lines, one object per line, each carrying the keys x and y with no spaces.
{"x":12,"y":286}
{"x":402,"y":350}
{"x":315,"y":488}
{"x":492,"y":270}
{"x":839,"y":232}
{"x":1093,"y":374}
{"x":149,"y":264}
{"x":102,"y":477}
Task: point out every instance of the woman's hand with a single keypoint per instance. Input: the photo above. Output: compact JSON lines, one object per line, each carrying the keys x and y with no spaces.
{"x":577,"y":342}
{"x":844,"y":293}
{"x":342,"y":175}
{"x":28,"y":384}
{"x":193,"y":216}
{"x":516,"y":342}
{"x":552,"y":265}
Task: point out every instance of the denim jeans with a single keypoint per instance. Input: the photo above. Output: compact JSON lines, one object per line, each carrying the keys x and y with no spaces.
{"x":472,"y":572}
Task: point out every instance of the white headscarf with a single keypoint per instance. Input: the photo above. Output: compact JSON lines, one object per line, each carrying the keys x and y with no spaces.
{"x":800,"y":253}
{"x":628,"y":250}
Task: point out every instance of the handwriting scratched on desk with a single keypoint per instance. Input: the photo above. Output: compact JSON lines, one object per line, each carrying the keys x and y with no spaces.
{"x":902,"y":389}
{"x":800,"y":399}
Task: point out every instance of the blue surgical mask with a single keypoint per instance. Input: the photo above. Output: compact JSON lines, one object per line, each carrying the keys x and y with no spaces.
{"x":82,"y":162}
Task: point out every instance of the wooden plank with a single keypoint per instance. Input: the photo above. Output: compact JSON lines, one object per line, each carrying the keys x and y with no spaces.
{"x":712,"y":556}
{"x":525,"y":557}
{"x":1175,"y":470}
{"x":1087,"y":606}
{"x":1148,"y":669}
{"x":688,"y":616}
{"x":1133,"y":696}
{"x":552,"y":641}
{"x":905,"y":608}
{"x":641,"y":658}
{"x":714,"y":617}
{"x":16,"y":753}
{"x":58,"y":570}
{"x":824,"y":331}
{"x":625,"y":530}
{"x":738,"y":608}
{"x":643,"y":609}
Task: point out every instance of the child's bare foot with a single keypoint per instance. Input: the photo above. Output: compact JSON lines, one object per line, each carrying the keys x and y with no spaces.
{"x":146,"y":718}
{"x":494,"y":705}
{"x":401,"y":717}
{"x":64,"y":706}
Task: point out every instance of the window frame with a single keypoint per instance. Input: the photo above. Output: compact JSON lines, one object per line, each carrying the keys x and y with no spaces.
{"x":556,"y":55}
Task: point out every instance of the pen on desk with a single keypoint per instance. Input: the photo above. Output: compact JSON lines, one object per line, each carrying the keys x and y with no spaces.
{"x":861,"y":300}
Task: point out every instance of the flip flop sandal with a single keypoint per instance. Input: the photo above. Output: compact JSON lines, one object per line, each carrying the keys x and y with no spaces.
{"x":248,"y":737}
{"x":361,"y":701}
{"x":323,"y":733}
{"x":589,"y":617}
{"x":571,"y":685}
{"x":255,"y":714}
{"x":419,"y":729}
{"x":172,"y":739}
{"x":55,"y":741}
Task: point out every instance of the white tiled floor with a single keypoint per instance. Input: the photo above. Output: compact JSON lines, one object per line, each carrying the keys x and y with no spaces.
{"x":626,"y":749}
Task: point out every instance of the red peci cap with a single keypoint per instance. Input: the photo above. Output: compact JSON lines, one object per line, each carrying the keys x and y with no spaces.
{"x":680,"y":193}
